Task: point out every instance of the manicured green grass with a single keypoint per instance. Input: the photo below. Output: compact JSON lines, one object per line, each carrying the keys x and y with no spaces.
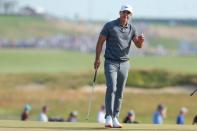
{"x":34,"y":126}
{"x":37,"y":60}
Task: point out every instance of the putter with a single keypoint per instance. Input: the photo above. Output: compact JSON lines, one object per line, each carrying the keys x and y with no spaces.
{"x":91,"y":95}
{"x":193,"y":92}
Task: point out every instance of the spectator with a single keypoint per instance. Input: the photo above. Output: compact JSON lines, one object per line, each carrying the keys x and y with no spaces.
{"x":130,"y":118}
{"x":159,"y":114}
{"x":180,"y":120}
{"x":43,"y":115}
{"x":101,"y":115}
{"x":195,"y":120}
{"x":72,"y":117}
{"x":26,"y":111}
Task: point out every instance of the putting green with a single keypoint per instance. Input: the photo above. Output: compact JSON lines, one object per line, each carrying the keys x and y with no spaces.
{"x":58,"y":126}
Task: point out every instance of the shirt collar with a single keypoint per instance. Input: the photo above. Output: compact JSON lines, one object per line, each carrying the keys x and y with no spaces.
{"x":118,"y":21}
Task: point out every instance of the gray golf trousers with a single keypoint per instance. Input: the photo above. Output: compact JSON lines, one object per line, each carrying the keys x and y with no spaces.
{"x":116,"y":74}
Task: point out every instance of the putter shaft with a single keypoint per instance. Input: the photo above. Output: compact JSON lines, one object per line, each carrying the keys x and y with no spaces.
{"x":193,"y":92}
{"x":91,"y":95}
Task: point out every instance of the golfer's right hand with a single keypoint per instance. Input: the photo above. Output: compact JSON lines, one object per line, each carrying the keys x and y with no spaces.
{"x":96,"y":64}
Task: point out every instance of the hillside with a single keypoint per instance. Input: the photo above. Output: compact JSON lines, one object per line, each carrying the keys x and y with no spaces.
{"x":21,"y":27}
{"x":26,"y":27}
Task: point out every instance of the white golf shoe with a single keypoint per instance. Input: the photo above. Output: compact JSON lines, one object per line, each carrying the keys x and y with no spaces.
{"x":108,"y":122}
{"x":116,"y":123}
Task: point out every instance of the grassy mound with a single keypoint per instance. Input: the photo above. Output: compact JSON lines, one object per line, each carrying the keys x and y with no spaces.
{"x":155,"y":79}
{"x":137,"y":78}
{"x":22,"y":27}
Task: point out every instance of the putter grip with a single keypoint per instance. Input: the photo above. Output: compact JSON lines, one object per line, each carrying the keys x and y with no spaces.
{"x":95,"y":74}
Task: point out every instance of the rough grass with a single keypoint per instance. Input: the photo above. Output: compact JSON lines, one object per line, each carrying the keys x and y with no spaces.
{"x":61,"y":102}
{"x":23,"y":27}
{"x":137,"y":78}
{"x":28,"y":26}
{"x":35,"y":126}
{"x":155,"y":79}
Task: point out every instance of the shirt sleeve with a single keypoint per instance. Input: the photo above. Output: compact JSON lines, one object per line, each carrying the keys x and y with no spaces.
{"x":105,"y":30}
{"x":134,"y":32}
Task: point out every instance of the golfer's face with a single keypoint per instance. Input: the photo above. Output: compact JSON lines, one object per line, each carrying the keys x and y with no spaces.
{"x":124,"y":15}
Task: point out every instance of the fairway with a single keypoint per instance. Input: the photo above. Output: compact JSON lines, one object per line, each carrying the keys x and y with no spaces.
{"x":39,"y":126}
{"x":37,"y":60}
{"x":53,"y":61}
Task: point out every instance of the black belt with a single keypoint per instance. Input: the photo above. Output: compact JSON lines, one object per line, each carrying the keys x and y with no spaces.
{"x":115,"y":60}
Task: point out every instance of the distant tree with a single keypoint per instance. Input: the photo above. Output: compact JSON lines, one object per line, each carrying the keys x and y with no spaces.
{"x":1,"y":6}
{"x":7,"y":6}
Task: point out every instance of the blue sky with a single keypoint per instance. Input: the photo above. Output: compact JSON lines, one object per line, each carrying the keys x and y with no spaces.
{"x":108,"y":9}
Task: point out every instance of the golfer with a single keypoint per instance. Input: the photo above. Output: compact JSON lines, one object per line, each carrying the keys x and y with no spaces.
{"x":118,"y":35}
